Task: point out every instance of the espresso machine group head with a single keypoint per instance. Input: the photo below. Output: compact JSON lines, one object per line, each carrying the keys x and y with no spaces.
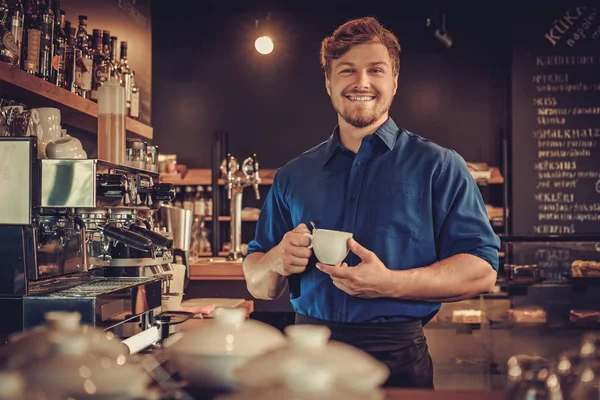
{"x":78,"y":235}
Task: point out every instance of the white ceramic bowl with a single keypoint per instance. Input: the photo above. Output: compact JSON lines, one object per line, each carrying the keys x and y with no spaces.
{"x":310,"y":347}
{"x":66,"y":147}
{"x":208,"y":355}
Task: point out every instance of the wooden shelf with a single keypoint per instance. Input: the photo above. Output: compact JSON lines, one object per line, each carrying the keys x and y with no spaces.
{"x":221,"y":254}
{"x":228,"y":218}
{"x":194,"y":177}
{"x":76,"y":111}
{"x":220,"y":270}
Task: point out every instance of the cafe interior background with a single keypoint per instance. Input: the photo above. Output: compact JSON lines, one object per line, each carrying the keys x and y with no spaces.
{"x":493,"y":85}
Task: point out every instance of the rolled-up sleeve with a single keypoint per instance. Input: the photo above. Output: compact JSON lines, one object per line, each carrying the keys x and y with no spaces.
{"x":461,"y":221}
{"x":274,"y":220}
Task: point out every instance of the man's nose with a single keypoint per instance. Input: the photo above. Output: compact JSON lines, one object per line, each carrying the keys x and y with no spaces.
{"x":362,"y":81}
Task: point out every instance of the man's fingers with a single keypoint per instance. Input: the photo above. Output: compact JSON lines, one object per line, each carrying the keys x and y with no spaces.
{"x":340,"y":285}
{"x":364,"y":254}
{"x":302,"y":252}
{"x":299,"y":240}
{"x":334,"y":270}
{"x":302,"y":228}
{"x":294,"y":269}
{"x":297,"y":261}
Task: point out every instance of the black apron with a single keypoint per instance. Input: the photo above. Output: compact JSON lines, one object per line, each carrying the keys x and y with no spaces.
{"x":399,"y":345}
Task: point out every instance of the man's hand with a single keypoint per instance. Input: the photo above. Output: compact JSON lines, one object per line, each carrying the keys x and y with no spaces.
{"x":292,"y":253}
{"x":369,"y":279}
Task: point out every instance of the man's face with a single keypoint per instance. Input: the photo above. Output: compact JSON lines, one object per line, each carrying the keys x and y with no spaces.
{"x":362,"y":85}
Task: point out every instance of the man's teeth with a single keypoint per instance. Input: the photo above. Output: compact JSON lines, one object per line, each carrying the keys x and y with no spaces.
{"x":361,"y":98}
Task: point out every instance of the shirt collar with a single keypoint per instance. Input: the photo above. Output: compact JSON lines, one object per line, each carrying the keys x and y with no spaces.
{"x":388,"y":132}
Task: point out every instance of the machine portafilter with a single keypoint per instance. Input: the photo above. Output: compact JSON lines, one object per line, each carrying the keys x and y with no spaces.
{"x":236,"y":182}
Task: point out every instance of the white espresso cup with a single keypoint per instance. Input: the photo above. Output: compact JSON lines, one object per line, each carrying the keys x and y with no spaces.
{"x":330,"y":247}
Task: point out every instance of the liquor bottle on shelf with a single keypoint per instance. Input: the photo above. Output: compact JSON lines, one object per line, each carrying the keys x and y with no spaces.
{"x":17,"y":20}
{"x":199,"y":202}
{"x":125,"y":73}
{"x":106,"y":43}
{"x":46,"y":23}
{"x":8,"y":48}
{"x":72,"y":55}
{"x":114,"y":72}
{"x":188,"y":199}
{"x":178,"y":201}
{"x":60,"y":46}
{"x":30,"y":52}
{"x":85,"y":64}
{"x":209,"y":201}
{"x":134,"y":111}
{"x":99,"y":74}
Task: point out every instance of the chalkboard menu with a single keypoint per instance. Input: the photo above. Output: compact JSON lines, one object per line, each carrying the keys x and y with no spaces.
{"x":555,"y":142}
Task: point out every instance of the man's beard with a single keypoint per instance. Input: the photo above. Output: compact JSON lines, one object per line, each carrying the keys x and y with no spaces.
{"x":364,"y":118}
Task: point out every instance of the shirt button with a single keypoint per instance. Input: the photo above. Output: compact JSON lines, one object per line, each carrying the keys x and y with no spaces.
{"x":358,"y":164}
{"x":338,"y":314}
{"x":352,"y":199}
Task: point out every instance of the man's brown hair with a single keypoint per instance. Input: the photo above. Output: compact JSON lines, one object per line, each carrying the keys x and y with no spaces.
{"x":355,"y":32}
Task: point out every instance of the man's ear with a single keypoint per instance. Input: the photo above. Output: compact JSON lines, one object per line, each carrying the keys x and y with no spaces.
{"x":327,"y":85}
{"x":395,"y":84}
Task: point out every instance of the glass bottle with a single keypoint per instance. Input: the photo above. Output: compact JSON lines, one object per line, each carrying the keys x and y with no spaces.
{"x":9,"y":52}
{"x":17,"y":19}
{"x":134,"y":111}
{"x":32,"y":34}
{"x":568,"y":371}
{"x":60,"y":46}
{"x":46,"y":23}
{"x":114,"y":72}
{"x":188,"y":199}
{"x":100,"y":72}
{"x":209,"y":201}
{"x":72,"y":55}
{"x":199,"y":202}
{"x":125,"y":74}
{"x":530,"y":378}
{"x":85,"y":64}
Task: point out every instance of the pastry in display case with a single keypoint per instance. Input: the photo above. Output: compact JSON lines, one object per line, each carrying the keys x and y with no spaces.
{"x":523,"y":273}
{"x":524,"y":315}
{"x":585,"y":269}
{"x":466,"y":316}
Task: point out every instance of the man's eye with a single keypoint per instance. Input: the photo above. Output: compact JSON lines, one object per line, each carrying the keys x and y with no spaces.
{"x":377,"y":71}
{"x":346,"y":70}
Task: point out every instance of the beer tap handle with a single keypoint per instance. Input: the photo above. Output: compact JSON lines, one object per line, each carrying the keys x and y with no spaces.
{"x":256,"y":180}
{"x":229,"y":167}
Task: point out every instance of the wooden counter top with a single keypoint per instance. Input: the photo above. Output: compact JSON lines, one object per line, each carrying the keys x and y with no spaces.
{"x":218,"y":269}
{"x":416,"y":394}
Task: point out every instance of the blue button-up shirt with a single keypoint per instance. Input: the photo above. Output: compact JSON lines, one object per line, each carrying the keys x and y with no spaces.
{"x":407,"y":199}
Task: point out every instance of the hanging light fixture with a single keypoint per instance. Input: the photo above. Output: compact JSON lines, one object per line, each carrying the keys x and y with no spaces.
{"x":438,"y":26}
{"x":263,"y":44}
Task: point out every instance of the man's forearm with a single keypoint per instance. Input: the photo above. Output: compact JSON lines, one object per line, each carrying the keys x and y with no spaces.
{"x":456,"y":278}
{"x":262,"y":282}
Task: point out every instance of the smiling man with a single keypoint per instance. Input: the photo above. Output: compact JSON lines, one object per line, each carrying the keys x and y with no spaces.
{"x":421,"y":232}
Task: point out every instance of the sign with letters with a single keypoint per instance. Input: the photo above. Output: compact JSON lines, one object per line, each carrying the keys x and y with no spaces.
{"x":555,"y":142}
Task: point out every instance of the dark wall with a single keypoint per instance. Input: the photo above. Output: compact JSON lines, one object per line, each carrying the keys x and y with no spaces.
{"x":207,"y":77}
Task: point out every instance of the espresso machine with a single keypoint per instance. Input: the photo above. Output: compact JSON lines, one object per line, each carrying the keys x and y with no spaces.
{"x":79,"y":235}
{"x":236,"y":181}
